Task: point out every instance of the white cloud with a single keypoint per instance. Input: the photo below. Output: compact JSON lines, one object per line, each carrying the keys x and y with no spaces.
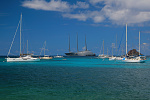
{"x":79,"y":4}
{"x":115,"y":11}
{"x":81,"y":17}
{"x":53,"y":5}
{"x":95,"y":1}
{"x":127,"y":11}
{"x":93,"y":15}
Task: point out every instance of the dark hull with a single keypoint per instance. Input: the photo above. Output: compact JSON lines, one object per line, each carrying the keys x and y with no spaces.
{"x":71,"y":54}
{"x":81,"y":53}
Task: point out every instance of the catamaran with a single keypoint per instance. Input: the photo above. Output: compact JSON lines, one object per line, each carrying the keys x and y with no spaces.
{"x":22,"y":58}
{"x":133,"y":59}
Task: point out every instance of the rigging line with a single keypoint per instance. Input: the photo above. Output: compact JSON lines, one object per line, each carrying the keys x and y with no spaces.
{"x":13,"y":39}
{"x":42,"y":48}
{"x":24,"y":48}
{"x":101,"y":48}
{"x":120,"y":43}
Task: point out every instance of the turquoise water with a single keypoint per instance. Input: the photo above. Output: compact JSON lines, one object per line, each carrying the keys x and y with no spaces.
{"x":85,"y":78}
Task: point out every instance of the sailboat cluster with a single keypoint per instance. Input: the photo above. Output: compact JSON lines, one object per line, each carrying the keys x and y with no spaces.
{"x":131,"y":59}
{"x":22,"y":58}
{"x":28,"y":57}
{"x":127,"y":58}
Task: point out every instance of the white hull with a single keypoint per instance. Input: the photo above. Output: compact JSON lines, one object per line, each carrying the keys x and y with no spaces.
{"x":58,"y":57}
{"x":119,"y":58}
{"x":46,"y":57}
{"x":112,"y":58}
{"x":21,"y":59}
{"x":102,"y":57}
{"x":134,"y":61}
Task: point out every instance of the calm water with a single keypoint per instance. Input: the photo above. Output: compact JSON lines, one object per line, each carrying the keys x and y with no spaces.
{"x":74,"y":79}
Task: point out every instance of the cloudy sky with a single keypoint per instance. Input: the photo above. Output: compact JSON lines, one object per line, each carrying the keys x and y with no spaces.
{"x":54,"y":20}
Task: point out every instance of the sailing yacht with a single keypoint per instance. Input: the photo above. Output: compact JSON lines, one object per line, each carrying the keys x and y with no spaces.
{"x":22,"y":58}
{"x":80,"y":53}
{"x":45,"y":56}
{"x":85,"y":52}
{"x":133,"y":59}
{"x":112,"y":57}
{"x":102,"y":56}
{"x":58,"y":56}
{"x":70,"y":53}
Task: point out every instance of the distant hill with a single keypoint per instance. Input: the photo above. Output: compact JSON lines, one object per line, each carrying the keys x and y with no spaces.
{"x":133,"y":52}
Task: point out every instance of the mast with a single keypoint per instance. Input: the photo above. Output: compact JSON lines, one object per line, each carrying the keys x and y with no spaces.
{"x":116,"y":45}
{"x":112,"y":50}
{"x":139,"y":42}
{"x":126,"y":39}
{"x":107,"y":52}
{"x":20,"y":32}
{"x":77,"y":42}
{"x":85,"y":44}
{"x":69,"y":43}
{"x":27,"y":47}
{"x":103,"y":47}
{"x":44,"y":48}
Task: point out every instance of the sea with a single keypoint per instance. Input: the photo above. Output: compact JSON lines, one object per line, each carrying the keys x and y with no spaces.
{"x":74,"y":78}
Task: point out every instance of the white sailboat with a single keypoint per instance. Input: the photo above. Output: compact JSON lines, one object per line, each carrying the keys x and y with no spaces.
{"x":45,"y":56}
{"x":112,"y":57}
{"x":132,"y":59}
{"x":58,"y":56}
{"x":21,"y":58}
{"x":102,"y":56}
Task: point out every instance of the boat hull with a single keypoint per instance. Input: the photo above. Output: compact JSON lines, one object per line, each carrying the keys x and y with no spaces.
{"x":112,"y":58}
{"x":22,"y":59}
{"x":134,"y":61}
{"x":71,"y":54}
{"x":85,"y":53}
{"x":58,"y":57}
{"x":46,"y":57}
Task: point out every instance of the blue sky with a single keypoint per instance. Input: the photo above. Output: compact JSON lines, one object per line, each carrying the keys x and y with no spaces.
{"x":53,"y":20}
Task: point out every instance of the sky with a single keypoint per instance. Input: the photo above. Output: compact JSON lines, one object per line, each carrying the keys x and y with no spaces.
{"x":54,"y":20}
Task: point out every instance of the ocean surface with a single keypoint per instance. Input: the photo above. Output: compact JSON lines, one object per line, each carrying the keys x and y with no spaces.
{"x":74,"y":78}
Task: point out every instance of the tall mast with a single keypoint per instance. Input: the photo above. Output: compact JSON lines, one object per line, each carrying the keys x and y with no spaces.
{"x":27,"y":46}
{"x":20,"y":32}
{"x":116,"y":45}
{"x":107,"y":51}
{"x":103,"y":47}
{"x":44,"y":48}
{"x":139,"y":42}
{"x":69,"y":43}
{"x":85,"y":44}
{"x":126,"y":38}
{"x":77,"y":42}
{"x":112,"y":50}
